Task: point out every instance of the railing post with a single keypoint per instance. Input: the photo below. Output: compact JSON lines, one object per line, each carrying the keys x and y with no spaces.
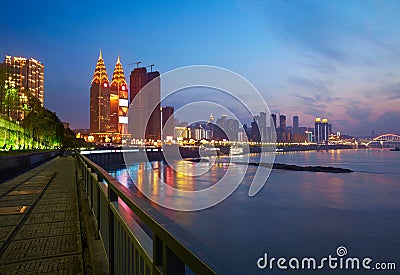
{"x":174,"y":265}
{"x":165,"y":260}
{"x":158,"y":258}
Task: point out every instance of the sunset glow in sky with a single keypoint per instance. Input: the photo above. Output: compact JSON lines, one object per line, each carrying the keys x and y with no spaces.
{"x":334,"y":59}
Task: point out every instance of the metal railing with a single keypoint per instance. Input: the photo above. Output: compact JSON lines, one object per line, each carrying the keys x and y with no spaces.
{"x":137,"y":238}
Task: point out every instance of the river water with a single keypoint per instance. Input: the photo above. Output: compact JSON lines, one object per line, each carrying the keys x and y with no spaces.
{"x":296,"y":214}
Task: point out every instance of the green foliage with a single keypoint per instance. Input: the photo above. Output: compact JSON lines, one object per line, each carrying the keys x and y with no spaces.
{"x":11,"y":102}
{"x":3,"y":77}
{"x":44,"y":125}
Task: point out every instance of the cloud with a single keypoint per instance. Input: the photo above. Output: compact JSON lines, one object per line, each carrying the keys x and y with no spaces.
{"x":318,"y":64}
{"x":316,"y":85}
{"x":392,"y":91}
{"x":334,"y":32}
{"x":385,"y":123}
{"x":361,"y":114}
{"x":313,"y":91}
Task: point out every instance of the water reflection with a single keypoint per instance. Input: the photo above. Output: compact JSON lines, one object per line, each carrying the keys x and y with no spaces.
{"x":296,"y":213}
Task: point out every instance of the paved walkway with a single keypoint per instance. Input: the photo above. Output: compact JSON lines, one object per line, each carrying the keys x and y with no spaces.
{"x":40,"y":228}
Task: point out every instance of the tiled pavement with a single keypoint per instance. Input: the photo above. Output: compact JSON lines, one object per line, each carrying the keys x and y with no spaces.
{"x":39,"y":221}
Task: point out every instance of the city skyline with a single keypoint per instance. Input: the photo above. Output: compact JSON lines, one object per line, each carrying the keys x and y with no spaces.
{"x":346,"y":69}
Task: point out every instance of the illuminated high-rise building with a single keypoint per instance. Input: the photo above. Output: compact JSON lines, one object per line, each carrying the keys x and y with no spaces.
{"x":318,"y":130}
{"x":182,"y":133}
{"x":146,"y":119}
{"x":119,"y":103}
{"x":100,"y":99}
{"x":26,"y":75}
{"x":325,"y":130}
{"x":322,"y":130}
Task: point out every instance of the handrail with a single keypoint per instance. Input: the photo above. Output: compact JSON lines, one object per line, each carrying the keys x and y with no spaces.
{"x":173,"y":248}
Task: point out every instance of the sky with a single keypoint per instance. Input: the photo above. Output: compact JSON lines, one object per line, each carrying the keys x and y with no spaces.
{"x":333,"y":59}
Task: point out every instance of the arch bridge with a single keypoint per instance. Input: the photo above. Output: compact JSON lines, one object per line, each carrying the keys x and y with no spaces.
{"x":388,"y":139}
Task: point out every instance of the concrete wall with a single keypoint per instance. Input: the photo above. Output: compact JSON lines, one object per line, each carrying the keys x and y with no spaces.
{"x":10,"y":165}
{"x":104,"y":159}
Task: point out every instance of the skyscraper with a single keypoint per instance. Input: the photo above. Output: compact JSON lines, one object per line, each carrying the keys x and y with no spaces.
{"x":325,"y":130}
{"x":317,"y":130}
{"x":153,"y":130}
{"x":296,"y":124}
{"x":28,"y":76}
{"x":273,"y":117}
{"x":100,"y":99}
{"x":282,"y":128}
{"x":118,"y":100}
{"x":168,"y":126}
{"x":262,"y":124}
{"x":272,"y":130}
{"x":143,"y":104}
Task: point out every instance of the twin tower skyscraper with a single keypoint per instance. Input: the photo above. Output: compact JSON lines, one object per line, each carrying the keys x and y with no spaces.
{"x":109,"y":104}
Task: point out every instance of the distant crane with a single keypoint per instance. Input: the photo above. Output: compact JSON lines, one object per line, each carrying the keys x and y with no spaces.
{"x":151,"y":67}
{"x":137,"y":63}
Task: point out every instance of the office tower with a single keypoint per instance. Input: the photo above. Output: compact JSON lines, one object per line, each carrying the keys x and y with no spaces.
{"x":255,"y":131}
{"x":295,"y":124}
{"x":272,"y":131}
{"x":318,"y":130}
{"x":309,"y":136}
{"x":211,"y":118}
{"x":153,"y":130}
{"x":26,"y":75}
{"x":167,"y":115}
{"x":273,"y":116}
{"x":324,"y":130}
{"x":146,"y":108}
{"x":118,"y":100}
{"x":282,"y":128}
{"x":100,"y":99}
{"x":262,"y":125}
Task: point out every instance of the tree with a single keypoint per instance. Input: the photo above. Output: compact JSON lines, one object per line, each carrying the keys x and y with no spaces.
{"x":11,"y":103}
{"x":46,"y":128}
{"x":3,"y":78}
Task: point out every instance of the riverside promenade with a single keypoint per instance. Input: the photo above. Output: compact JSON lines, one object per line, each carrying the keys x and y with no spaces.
{"x":45,"y":224}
